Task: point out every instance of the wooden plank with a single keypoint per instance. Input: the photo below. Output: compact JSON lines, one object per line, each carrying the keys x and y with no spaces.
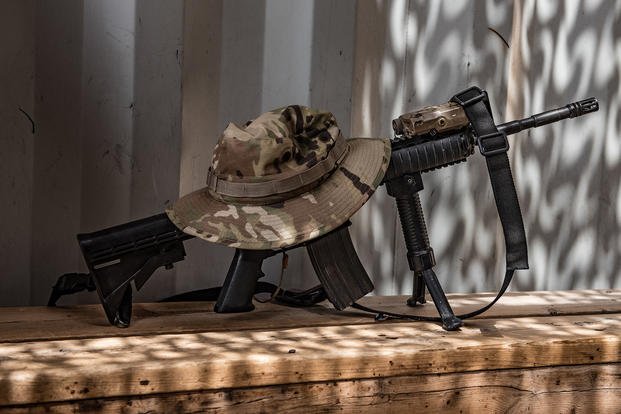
{"x":37,"y":372}
{"x":41,"y":323}
{"x":584,"y":388}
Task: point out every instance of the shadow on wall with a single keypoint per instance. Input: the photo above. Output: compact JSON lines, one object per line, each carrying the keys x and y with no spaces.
{"x":569,"y":174}
{"x":530,"y":57}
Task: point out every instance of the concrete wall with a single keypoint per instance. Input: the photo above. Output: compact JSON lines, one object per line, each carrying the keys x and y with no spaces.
{"x":127,"y":99}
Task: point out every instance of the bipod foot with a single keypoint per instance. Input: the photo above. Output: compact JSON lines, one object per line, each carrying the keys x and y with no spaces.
{"x":450,"y":322}
{"x":418,"y":292}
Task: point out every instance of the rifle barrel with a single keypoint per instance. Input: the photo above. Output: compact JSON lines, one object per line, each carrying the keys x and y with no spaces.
{"x":572,"y":110}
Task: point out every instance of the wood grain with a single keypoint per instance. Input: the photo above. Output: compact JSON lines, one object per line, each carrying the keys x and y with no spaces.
{"x":568,"y":389}
{"x":35,"y":372}
{"x":184,"y":355}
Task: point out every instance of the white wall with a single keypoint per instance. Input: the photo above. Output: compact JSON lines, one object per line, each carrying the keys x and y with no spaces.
{"x":129,"y":97}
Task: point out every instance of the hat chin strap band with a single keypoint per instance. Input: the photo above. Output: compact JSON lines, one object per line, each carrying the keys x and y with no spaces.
{"x":285,"y":186}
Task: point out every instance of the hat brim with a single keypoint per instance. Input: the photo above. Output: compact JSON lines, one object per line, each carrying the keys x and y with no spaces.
{"x":296,"y":220}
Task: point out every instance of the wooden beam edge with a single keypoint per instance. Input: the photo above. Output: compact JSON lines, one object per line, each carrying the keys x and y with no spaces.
{"x":527,"y":388}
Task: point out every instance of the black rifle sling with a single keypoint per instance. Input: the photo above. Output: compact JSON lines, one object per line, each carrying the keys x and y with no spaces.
{"x":307,"y":297}
{"x":494,"y":146}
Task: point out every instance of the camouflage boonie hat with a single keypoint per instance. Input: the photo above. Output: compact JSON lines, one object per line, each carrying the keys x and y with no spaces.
{"x":282,"y":179}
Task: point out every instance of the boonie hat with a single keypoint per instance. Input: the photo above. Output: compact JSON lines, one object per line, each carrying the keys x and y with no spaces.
{"x":282,"y":179}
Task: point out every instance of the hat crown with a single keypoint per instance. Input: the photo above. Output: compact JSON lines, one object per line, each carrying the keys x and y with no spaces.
{"x":282,"y":142}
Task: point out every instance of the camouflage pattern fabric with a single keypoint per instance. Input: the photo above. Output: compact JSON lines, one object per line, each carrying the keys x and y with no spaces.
{"x":282,"y":143}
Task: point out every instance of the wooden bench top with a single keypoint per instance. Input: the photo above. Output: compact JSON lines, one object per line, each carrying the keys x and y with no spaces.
{"x":172,"y":351}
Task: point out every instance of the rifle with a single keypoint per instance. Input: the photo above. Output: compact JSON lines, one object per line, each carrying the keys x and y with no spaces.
{"x":430,"y":138}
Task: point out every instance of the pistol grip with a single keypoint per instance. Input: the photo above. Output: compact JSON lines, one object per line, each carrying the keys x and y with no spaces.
{"x":241,"y":280}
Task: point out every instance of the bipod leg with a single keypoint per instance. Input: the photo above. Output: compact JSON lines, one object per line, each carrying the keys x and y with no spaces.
{"x":419,"y":252}
{"x":418,"y":291}
{"x":450,"y":322}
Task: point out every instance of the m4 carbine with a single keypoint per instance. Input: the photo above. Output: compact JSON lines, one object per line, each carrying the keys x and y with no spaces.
{"x":430,"y":138}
